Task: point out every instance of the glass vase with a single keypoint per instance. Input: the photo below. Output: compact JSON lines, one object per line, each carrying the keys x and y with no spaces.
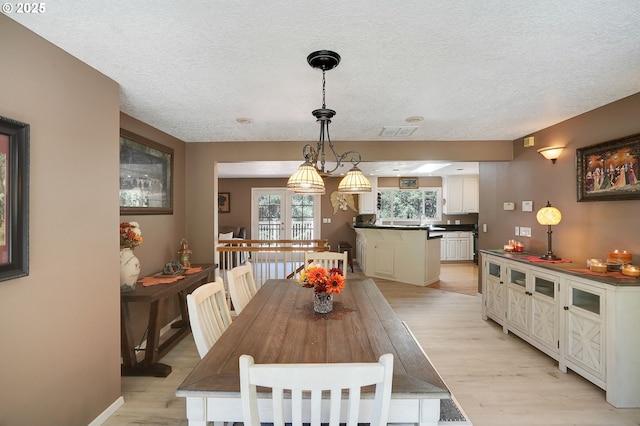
{"x":322,"y":302}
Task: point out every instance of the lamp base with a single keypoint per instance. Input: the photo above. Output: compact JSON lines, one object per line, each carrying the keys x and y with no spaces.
{"x":549,"y":256}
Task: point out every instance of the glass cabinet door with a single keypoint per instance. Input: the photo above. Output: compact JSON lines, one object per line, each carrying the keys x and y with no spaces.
{"x":494,"y":269}
{"x":585,"y":330}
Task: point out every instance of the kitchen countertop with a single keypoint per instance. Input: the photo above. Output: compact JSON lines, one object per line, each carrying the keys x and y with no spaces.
{"x":434,"y":228}
{"x":577,"y":269}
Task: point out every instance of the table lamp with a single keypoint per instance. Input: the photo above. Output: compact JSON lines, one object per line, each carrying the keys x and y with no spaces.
{"x":549,"y":215}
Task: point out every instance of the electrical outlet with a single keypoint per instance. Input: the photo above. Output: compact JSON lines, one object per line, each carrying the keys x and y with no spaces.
{"x":517,"y":230}
{"x":525,"y":232}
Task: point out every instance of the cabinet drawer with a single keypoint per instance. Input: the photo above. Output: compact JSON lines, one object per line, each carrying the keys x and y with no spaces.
{"x":457,"y":235}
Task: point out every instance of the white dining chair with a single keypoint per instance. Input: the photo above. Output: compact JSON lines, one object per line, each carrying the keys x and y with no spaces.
{"x":242,"y":286}
{"x":306,"y":383}
{"x":328,"y":260}
{"x":209,"y":314}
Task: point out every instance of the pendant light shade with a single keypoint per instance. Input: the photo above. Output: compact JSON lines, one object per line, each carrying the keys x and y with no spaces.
{"x":354,"y":182}
{"x":306,"y":180}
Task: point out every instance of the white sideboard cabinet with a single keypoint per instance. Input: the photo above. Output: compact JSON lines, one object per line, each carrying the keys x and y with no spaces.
{"x":587,"y":323}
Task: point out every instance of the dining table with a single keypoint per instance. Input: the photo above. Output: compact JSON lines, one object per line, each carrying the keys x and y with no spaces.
{"x":279,"y":325}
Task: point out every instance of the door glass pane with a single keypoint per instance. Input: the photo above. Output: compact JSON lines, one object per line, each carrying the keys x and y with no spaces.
{"x":302,"y":217}
{"x":545,"y":287}
{"x":494,"y":270}
{"x":585,"y":300}
{"x":269,"y":215}
{"x":518,"y":278}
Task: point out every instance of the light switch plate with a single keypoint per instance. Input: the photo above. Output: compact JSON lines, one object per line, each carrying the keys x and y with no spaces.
{"x":527,"y":206}
{"x":525,"y":232}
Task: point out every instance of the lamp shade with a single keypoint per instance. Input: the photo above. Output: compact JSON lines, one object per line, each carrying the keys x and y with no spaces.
{"x":551,"y":153}
{"x":549,"y":215}
{"x":354,"y":182}
{"x":306,"y":180}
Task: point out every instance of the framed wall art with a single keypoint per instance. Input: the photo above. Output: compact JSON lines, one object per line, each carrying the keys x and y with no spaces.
{"x":609,"y":170}
{"x":146,"y":176}
{"x":224,"y":202}
{"x":14,"y":199}
{"x":408,"y":183}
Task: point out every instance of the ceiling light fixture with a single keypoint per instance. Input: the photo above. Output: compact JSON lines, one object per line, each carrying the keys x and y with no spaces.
{"x":308,"y":178}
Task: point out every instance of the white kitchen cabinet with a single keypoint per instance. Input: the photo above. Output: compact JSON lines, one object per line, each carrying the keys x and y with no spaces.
{"x":460,"y":194}
{"x":456,"y":246}
{"x":361,"y":247}
{"x":398,"y":254}
{"x":384,"y":255}
{"x":368,"y":201}
{"x":589,"y":324}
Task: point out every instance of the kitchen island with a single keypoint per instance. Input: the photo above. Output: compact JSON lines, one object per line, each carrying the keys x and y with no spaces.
{"x":406,"y":254}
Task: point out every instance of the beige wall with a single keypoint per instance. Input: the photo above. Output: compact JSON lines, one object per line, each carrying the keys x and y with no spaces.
{"x":161,"y":234}
{"x":588,"y":229}
{"x":60,"y":339}
{"x":201,"y":158}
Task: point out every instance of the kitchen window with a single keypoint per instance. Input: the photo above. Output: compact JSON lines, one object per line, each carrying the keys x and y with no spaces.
{"x":410,"y":205}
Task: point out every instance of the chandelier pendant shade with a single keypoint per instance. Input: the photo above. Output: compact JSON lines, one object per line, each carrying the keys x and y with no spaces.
{"x":308,"y":178}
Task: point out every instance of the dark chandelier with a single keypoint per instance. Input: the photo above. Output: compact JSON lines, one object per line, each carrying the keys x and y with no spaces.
{"x":308,"y":179}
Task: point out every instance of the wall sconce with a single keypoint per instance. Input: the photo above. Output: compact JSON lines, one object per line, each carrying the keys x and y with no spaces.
{"x":549,"y":215}
{"x":551,"y":153}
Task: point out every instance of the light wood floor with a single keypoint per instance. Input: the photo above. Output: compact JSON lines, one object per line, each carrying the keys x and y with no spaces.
{"x":498,"y":379}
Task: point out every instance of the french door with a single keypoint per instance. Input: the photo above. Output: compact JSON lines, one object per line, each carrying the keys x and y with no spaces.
{"x":278,"y":214}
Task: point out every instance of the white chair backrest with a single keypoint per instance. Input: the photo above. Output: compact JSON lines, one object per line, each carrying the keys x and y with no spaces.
{"x":208,"y":314}
{"x":328,"y":260}
{"x":242,"y":286}
{"x":304,"y":379}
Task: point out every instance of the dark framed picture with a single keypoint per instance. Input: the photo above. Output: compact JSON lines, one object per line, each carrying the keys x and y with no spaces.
{"x":14,"y":199}
{"x":146,"y":176}
{"x":408,"y":183}
{"x":609,"y":170}
{"x":224,"y":202}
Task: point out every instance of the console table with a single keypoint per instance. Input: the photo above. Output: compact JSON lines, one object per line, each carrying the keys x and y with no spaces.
{"x":154,"y":295}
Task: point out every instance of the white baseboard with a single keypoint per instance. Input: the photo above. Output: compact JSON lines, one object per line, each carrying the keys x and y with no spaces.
{"x":108,"y":412}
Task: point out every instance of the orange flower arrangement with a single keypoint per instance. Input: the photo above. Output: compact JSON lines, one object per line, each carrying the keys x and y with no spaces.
{"x":321,"y":280}
{"x":130,"y":235}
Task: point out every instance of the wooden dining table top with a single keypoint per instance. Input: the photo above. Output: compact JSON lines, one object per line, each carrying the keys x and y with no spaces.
{"x":279,"y":325}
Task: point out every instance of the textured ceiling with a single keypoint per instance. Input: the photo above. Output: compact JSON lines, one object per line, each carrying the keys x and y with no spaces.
{"x":475,"y":70}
